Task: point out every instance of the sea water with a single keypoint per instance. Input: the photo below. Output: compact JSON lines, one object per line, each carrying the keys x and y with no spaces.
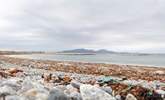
{"x":157,"y":60}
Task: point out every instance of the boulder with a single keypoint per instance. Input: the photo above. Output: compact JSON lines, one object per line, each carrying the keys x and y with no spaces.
{"x":89,"y":92}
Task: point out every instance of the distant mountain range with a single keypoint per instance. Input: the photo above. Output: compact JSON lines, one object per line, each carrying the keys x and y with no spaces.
{"x":86,"y":51}
{"x":101,"y":51}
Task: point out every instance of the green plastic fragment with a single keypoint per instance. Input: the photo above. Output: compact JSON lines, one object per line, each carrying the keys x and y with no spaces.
{"x":108,"y":79}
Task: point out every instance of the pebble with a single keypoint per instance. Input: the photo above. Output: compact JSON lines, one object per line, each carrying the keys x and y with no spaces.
{"x":159,"y":72}
{"x":37,"y":94}
{"x":76,"y":84}
{"x":14,"y":70}
{"x":56,"y":94}
{"x":118,"y":97}
{"x":130,"y":97}
{"x":161,"y":92}
{"x":15,"y":97}
{"x":107,"y":89}
{"x":89,"y":92}
{"x":75,"y":96}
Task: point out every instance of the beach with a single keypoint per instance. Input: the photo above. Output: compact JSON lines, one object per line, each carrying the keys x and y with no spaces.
{"x":31,"y":79}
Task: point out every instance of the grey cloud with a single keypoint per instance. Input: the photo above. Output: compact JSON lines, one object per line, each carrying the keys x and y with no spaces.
{"x":88,"y":23}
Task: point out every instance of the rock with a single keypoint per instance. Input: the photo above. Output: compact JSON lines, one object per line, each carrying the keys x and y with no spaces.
{"x":56,"y":94}
{"x":31,"y":92}
{"x":42,"y":96}
{"x":130,"y":97}
{"x":4,"y":74}
{"x":54,"y":79}
{"x":71,"y":88}
{"x":161,"y":92}
{"x":66,"y":79}
{"x":118,"y":97}
{"x":20,"y":74}
{"x":14,"y":70}
{"x":37,"y":94}
{"x":6,"y":90}
{"x":15,"y":97}
{"x":75,"y":84}
{"x":29,"y":84}
{"x":47,"y":77}
{"x":107,"y":89}
{"x":159,"y":72}
{"x":61,"y":87}
{"x":14,"y":83}
{"x":75,"y":96}
{"x":89,"y":92}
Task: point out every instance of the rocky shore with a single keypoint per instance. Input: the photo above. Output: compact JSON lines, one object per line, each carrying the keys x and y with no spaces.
{"x":27,"y":79}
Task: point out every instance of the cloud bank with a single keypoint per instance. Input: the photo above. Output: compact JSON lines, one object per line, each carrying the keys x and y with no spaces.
{"x":120,"y":25}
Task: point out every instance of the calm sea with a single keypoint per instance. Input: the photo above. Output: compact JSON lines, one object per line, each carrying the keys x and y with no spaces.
{"x":133,"y":59}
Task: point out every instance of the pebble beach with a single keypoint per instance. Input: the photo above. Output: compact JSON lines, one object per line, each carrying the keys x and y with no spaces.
{"x":28,"y":79}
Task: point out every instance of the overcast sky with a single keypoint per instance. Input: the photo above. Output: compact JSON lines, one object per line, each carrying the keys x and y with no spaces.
{"x":120,"y":25}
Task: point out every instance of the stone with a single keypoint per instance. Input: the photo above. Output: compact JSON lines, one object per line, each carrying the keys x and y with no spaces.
{"x":161,"y":92}
{"x":29,"y":84}
{"x":37,"y":94}
{"x":75,"y":96}
{"x":47,"y":77}
{"x":20,"y":74}
{"x":14,"y":70}
{"x":76,"y":84}
{"x":67,"y":79}
{"x":61,"y":87}
{"x":118,"y":97}
{"x":71,"y":88}
{"x":56,"y":94}
{"x":42,"y":96}
{"x":15,"y":97}
{"x":89,"y":92}
{"x":6,"y":90}
{"x":130,"y":97}
{"x":31,"y":92}
{"x":107,"y":89}
{"x":159,"y":72}
{"x":14,"y":83}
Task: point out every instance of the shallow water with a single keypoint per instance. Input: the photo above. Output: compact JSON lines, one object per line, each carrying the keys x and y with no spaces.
{"x":133,"y":59}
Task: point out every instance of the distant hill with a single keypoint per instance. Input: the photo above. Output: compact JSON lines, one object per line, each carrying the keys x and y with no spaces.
{"x":86,"y":51}
{"x":78,"y":51}
{"x":101,"y":51}
{"x":104,"y":51}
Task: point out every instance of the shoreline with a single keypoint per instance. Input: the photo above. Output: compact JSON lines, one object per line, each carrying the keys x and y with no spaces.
{"x":97,"y":68}
{"x":29,"y":79}
{"x":92,"y":62}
